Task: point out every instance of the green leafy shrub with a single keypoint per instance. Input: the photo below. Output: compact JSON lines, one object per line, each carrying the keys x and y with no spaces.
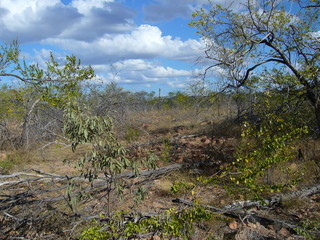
{"x":132,"y":134}
{"x":182,"y":187}
{"x":171,"y":223}
{"x":308,"y":229}
{"x":265,"y":146}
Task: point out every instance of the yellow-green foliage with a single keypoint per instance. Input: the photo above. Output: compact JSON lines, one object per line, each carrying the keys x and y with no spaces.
{"x":6,"y":165}
{"x":11,"y":103}
{"x":263,"y":147}
{"x":165,"y":153}
{"x":182,"y":187}
{"x":308,"y":229}
{"x":171,"y":223}
{"x":107,"y":154}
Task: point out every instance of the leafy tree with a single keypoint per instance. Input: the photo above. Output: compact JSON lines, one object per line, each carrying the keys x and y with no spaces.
{"x":54,"y":85}
{"x":56,"y":81}
{"x":107,"y":156}
{"x":264,"y":33}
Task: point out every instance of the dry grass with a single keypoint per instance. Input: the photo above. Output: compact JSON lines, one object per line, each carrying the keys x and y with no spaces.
{"x":53,"y":159}
{"x":164,"y":124}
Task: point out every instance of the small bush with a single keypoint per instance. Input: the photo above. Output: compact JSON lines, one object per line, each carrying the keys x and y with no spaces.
{"x":8,"y":162}
{"x":132,"y":134}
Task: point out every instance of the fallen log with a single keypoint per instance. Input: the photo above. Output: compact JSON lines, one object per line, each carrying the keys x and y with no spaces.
{"x":33,"y":197}
{"x":241,"y":210}
{"x":42,"y":187}
{"x":239,"y":214}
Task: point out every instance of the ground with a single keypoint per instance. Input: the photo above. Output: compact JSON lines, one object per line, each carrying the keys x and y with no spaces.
{"x":202,"y":149}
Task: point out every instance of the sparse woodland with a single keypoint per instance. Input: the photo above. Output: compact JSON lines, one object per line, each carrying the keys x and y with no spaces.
{"x":85,"y":161}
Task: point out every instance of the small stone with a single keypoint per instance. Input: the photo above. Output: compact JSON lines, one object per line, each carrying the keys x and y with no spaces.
{"x":270,"y":227}
{"x":284,"y":232}
{"x":179,"y":159}
{"x":233,"y":225}
{"x":293,"y":167}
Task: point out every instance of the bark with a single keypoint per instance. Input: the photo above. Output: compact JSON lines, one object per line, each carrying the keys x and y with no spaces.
{"x":38,"y":201}
{"x":42,"y":187}
{"x":24,"y":140}
{"x":242,"y":210}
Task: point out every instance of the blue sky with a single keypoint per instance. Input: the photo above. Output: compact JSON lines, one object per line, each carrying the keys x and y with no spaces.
{"x":140,"y":44}
{"x":143,"y":45}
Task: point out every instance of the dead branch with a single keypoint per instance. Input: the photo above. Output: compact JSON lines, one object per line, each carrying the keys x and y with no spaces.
{"x":33,"y":198}
{"x":238,"y":213}
{"x":266,"y":203}
{"x":239,"y":210}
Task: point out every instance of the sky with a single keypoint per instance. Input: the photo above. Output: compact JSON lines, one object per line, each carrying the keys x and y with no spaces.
{"x":142,"y":45}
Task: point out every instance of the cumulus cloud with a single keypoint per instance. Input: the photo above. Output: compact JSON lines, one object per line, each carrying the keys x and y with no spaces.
{"x":35,"y":20}
{"x":145,"y":42}
{"x":94,"y":30}
{"x":141,"y":72}
{"x":103,"y":33}
{"x":129,"y":71}
{"x":99,"y":18}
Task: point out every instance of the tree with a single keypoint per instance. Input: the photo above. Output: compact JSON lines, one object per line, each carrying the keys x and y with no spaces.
{"x":274,"y":34}
{"x":52,"y":85}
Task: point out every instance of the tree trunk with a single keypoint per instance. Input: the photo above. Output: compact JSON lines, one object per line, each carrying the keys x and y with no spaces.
{"x":24,"y":139}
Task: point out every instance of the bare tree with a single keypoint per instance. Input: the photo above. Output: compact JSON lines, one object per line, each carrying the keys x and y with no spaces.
{"x":273,"y":34}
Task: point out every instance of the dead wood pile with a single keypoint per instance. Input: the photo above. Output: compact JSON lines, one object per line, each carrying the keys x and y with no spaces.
{"x":31,"y":201}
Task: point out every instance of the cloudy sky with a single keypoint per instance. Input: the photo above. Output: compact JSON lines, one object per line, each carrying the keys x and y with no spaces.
{"x":141,"y":44}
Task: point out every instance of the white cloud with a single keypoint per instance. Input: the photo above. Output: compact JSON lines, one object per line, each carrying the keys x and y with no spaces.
{"x":97,"y":31}
{"x":103,"y":32}
{"x":140,"y":72}
{"x":35,"y":20}
{"x":99,"y":18}
{"x":178,"y":84}
{"x":85,"y":6}
{"x":145,"y":42}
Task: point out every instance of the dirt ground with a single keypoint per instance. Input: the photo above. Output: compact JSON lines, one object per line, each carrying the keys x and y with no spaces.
{"x":201,"y":152}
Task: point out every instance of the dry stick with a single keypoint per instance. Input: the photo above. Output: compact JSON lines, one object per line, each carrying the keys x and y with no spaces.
{"x":239,"y":215}
{"x":232,"y":210}
{"x":9,"y":201}
{"x":34,"y":192}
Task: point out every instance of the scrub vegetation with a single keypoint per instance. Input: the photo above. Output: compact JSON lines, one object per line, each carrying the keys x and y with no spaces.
{"x":85,"y":161}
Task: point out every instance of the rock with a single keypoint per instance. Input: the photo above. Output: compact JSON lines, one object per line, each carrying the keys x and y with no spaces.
{"x":293,"y":167}
{"x":179,"y":159}
{"x":3,"y":156}
{"x":233,"y":225}
{"x":284,"y":232}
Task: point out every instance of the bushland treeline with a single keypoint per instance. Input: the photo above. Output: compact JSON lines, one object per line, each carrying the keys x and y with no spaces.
{"x":28,"y":120}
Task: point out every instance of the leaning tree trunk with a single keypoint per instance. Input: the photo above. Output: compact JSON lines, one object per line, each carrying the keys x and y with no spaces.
{"x":24,"y":139}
